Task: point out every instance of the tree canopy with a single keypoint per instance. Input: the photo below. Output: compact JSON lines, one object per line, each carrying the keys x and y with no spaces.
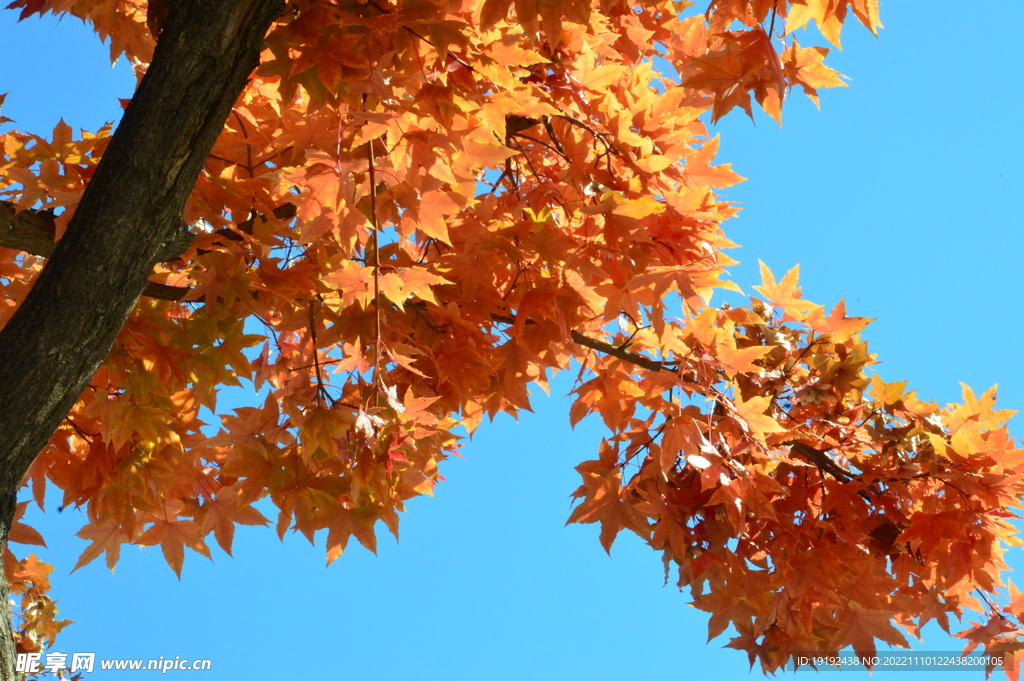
{"x":415,"y":210}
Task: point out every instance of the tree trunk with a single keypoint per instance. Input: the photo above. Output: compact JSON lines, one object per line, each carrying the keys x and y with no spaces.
{"x":130,"y":212}
{"x":8,"y":504}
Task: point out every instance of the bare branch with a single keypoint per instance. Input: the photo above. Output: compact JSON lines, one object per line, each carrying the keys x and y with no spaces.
{"x":165,"y":291}
{"x":607,"y":348}
{"x":33,"y":231}
{"x":818,"y":457}
{"x":621,"y":353}
{"x":30,"y":231}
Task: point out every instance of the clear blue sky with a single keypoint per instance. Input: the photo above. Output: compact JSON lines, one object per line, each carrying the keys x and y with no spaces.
{"x":903,"y":194}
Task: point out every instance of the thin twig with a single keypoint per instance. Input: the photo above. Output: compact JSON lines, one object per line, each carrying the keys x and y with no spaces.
{"x":451,"y":54}
{"x":540,"y":142}
{"x":320,"y":390}
{"x":608,"y":349}
{"x":376,"y":270}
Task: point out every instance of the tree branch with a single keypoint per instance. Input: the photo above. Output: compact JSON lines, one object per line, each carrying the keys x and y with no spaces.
{"x":824,"y":462}
{"x":30,"y":231}
{"x":33,"y":232}
{"x":818,"y":457}
{"x":621,"y":353}
{"x":607,"y":348}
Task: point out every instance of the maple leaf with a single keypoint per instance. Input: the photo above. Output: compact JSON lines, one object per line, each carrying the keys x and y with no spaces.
{"x":173,"y":536}
{"x":700,"y":173}
{"x":352,"y":281}
{"x":743,"y":61}
{"x":977,"y":411}
{"x":493,"y":11}
{"x":805,"y":67}
{"x":739,"y":360}
{"x":602,"y":484}
{"x":221,"y":515}
{"x":107,"y":537}
{"x":752,"y":413}
{"x":322,"y":196}
{"x":829,"y":15}
{"x":22,"y":533}
{"x":888,"y":394}
{"x":862,"y":626}
{"x":785,"y":294}
{"x":837,"y":325}
{"x":593,"y":75}
{"x":434,"y":206}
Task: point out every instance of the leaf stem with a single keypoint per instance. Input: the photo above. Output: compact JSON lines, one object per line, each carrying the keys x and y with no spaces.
{"x":376,"y":271}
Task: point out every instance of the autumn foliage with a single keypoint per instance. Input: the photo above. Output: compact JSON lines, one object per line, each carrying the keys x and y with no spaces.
{"x":420,"y":207}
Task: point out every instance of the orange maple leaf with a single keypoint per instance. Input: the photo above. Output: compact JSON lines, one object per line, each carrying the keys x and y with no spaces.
{"x":861,"y":626}
{"x":785,"y":294}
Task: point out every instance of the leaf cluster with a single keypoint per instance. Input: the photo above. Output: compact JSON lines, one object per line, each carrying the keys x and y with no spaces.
{"x":418,"y":208}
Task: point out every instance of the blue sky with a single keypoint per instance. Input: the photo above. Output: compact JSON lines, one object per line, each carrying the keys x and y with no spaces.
{"x":903,"y":194}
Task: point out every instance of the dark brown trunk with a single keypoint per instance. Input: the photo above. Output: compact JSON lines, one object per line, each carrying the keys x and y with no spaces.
{"x":8,"y":503}
{"x":129,"y":214}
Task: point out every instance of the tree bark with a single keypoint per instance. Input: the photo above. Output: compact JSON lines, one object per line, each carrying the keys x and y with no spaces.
{"x":128,"y":216}
{"x":8,"y":654}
